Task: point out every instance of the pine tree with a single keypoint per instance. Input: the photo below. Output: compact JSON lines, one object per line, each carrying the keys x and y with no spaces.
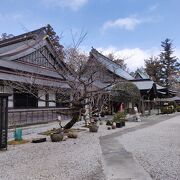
{"x":169,"y":63}
{"x":153,"y":68}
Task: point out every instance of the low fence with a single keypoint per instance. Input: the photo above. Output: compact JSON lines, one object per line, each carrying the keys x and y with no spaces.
{"x":23,"y":117}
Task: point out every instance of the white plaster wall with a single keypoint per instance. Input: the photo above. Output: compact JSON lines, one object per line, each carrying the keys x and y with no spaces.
{"x":42,"y":96}
{"x":7,"y":89}
{"x":130,"y":105}
{"x":52,"y":96}
{"x":10,"y":101}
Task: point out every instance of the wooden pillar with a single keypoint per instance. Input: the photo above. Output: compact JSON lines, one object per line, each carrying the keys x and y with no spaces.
{"x":3,"y":120}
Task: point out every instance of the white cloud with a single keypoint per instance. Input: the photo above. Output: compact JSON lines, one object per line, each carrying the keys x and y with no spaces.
{"x":72,"y":4}
{"x":177,"y":53}
{"x":133,"y":57}
{"x":128,"y":23}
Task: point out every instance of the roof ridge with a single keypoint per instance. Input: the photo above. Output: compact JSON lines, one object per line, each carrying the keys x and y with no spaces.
{"x":21,"y":36}
{"x":142,"y":72}
{"x":109,"y":59}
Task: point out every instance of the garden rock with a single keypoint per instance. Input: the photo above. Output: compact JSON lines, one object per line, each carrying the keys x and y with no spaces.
{"x":93,"y":128}
{"x":65,"y":138}
{"x":56,"y":137}
{"x":38,"y":140}
{"x":72,"y":135}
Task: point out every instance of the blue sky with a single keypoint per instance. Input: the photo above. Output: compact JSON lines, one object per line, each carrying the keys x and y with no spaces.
{"x":132,"y":29}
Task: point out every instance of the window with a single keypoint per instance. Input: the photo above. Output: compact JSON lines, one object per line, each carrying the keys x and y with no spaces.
{"x":62,"y":100}
{"x":24,"y":100}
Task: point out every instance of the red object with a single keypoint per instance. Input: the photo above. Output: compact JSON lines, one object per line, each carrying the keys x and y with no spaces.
{"x":121,"y":107}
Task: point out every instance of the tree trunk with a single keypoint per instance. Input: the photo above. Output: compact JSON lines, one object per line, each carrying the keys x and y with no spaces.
{"x":75,"y":118}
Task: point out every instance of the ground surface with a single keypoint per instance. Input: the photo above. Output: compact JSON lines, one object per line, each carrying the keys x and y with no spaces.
{"x":153,"y":146}
{"x":157,"y":148}
{"x":74,"y":159}
{"x":148,"y":145}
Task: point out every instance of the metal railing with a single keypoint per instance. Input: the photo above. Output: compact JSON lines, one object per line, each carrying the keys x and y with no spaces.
{"x":23,"y":117}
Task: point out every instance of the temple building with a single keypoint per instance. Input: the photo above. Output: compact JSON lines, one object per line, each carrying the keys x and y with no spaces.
{"x":27,"y":64}
{"x":149,"y":90}
{"x":32,"y":68}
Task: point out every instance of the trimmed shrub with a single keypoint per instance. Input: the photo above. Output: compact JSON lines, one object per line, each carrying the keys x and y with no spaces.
{"x":178,"y":108}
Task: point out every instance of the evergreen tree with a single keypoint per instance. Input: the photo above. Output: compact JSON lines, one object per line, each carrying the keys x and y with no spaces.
{"x":164,"y":68}
{"x":153,"y":68}
{"x":169,"y":64}
{"x":119,"y":61}
{"x":55,"y":41}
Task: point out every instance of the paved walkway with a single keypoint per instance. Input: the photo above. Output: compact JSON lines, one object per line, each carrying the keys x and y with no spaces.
{"x":121,"y":164}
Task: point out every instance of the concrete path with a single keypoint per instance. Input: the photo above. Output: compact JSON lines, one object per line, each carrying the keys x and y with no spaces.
{"x":119,"y":164}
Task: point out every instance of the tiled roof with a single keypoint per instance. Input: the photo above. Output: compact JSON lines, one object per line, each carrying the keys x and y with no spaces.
{"x":20,"y":49}
{"x":24,"y":44}
{"x":16,"y":66}
{"x":142,"y":74}
{"x":111,"y":65}
{"x":38,"y":81}
{"x":146,"y":84}
{"x":29,"y":35}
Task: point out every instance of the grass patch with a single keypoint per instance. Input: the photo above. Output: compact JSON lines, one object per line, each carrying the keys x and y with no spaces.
{"x":13,"y":142}
{"x":48,"y":132}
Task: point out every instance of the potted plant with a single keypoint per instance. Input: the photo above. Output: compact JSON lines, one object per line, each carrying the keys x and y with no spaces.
{"x":118,"y":124}
{"x":123,"y":122}
{"x":93,"y":127}
{"x":119,"y":118}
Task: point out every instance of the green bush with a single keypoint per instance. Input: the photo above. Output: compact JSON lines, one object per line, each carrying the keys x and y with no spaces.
{"x":109,"y":123}
{"x":130,"y":111}
{"x":119,"y":117}
{"x":173,"y":103}
{"x":178,"y":108}
{"x":168,"y":110}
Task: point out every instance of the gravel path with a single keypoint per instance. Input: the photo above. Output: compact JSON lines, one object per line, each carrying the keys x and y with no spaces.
{"x":74,"y":159}
{"x":156,"y":148}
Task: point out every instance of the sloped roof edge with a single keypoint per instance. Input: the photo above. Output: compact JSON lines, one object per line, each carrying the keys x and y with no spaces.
{"x":111,"y":65}
{"x":24,"y":36}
